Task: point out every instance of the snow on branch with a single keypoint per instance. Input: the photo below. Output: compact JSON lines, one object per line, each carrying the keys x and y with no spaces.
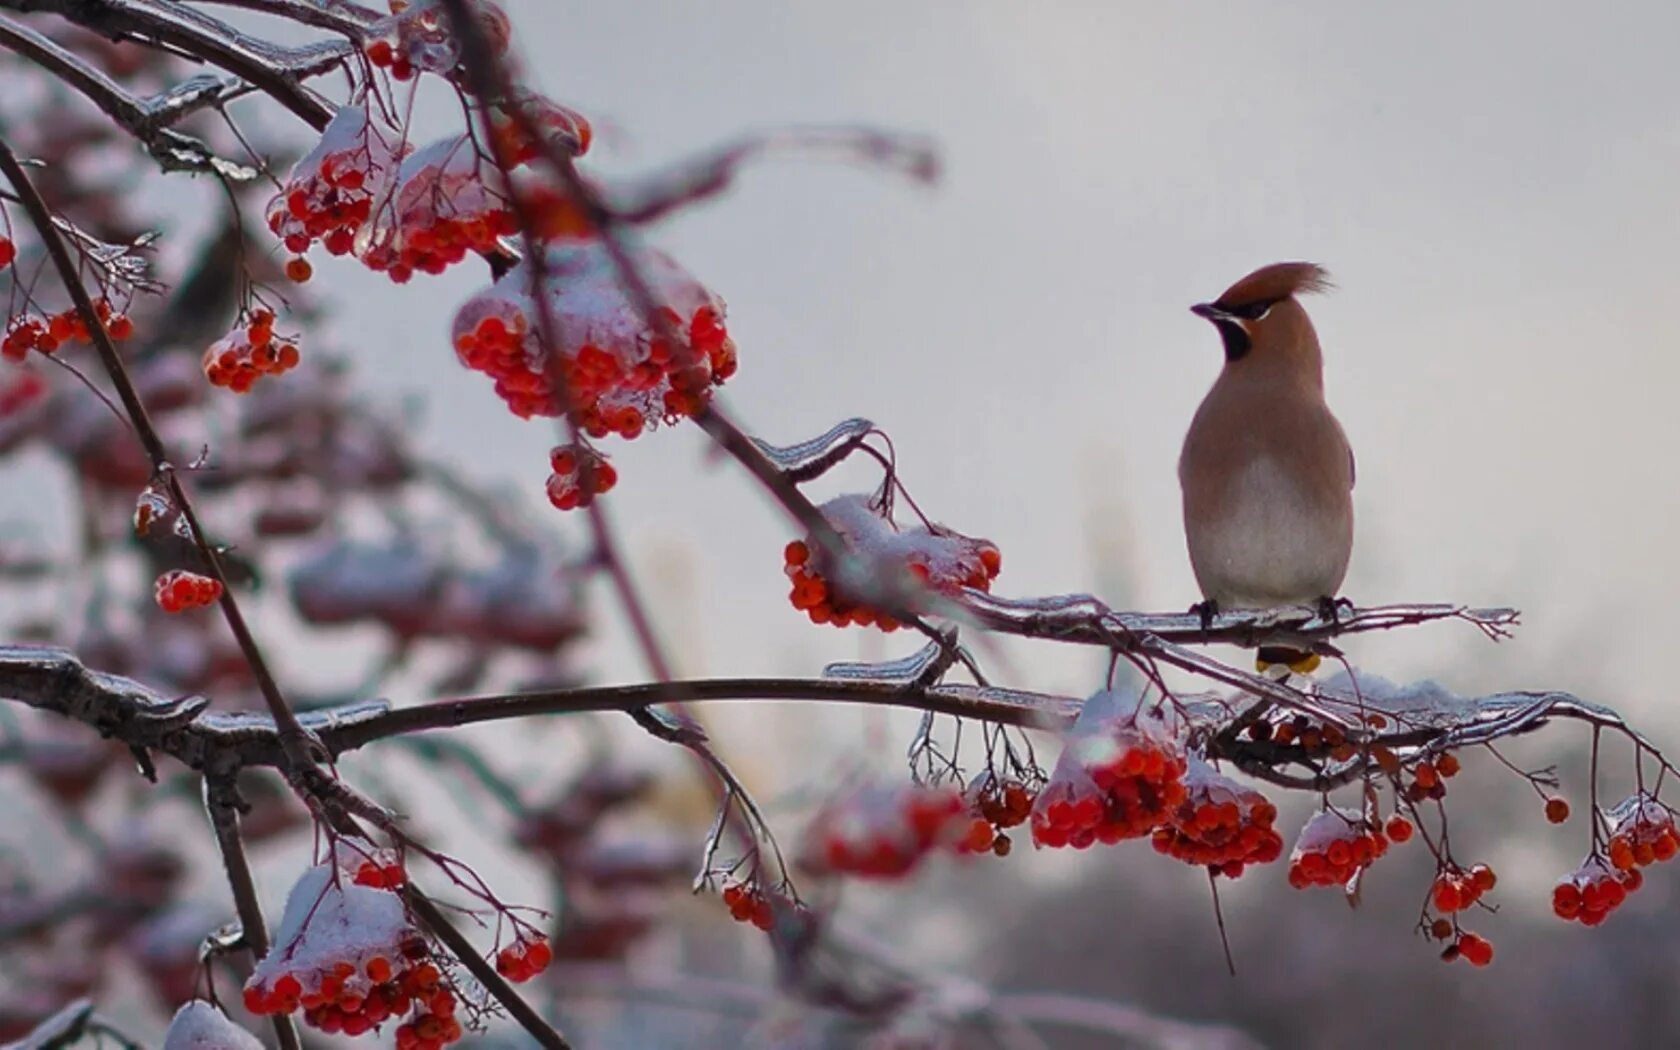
{"x":147,"y":119}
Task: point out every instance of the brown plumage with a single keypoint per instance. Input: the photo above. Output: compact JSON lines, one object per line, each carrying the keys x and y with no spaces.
{"x":1277,"y":281}
{"x":1266,"y":471}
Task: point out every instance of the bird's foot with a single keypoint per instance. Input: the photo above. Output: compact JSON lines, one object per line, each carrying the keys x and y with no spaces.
{"x":1331,"y":609}
{"x":1206,"y":611}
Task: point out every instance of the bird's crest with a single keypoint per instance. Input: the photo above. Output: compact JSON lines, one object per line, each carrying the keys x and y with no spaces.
{"x":1273,"y":283}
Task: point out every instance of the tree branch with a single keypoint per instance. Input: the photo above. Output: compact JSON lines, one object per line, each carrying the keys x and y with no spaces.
{"x":221,"y":801}
{"x":145,"y":119}
{"x":293,"y":738}
{"x":275,"y":71}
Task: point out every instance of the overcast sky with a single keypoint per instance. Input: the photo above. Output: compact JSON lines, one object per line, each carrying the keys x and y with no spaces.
{"x":1492,"y":187}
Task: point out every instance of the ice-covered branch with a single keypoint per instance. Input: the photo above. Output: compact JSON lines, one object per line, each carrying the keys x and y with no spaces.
{"x":274,"y":70}
{"x":1417,"y":721}
{"x":1085,"y":620}
{"x":147,"y":119}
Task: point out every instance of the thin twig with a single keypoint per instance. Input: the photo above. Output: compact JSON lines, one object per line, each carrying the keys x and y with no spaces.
{"x":293,"y":737}
{"x":221,"y":801}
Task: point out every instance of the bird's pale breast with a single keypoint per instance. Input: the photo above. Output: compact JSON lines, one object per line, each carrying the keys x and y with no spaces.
{"x":1263,"y":538}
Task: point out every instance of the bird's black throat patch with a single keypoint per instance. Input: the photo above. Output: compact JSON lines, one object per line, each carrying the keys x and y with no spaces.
{"x":1235,"y":337}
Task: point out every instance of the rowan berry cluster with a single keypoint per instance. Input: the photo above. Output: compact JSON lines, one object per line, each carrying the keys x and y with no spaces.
{"x":330,"y":193}
{"x":1220,"y":824}
{"x":346,"y":956}
{"x":45,"y":334}
{"x":8,"y":252}
{"x":1316,"y":740}
{"x":993,"y":806}
{"x":526,"y":957}
{"x":441,"y":206}
{"x":580,"y":474}
{"x":1429,"y":778}
{"x":883,"y":830}
{"x":1120,"y":775}
{"x":1457,"y":889}
{"x":747,"y":902}
{"x":620,"y":375}
{"x":381,"y":871}
{"x":1472,"y":948}
{"x":1642,"y":833}
{"x":247,"y":353}
{"x":1591,"y":892}
{"x":417,"y":37}
{"x":935,"y":557}
{"x":1333,"y":846}
{"x":178,"y":590}
{"x":559,"y":125}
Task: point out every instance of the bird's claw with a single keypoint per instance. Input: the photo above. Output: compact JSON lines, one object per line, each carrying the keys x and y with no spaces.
{"x":1206,"y":611}
{"x":1331,"y":609}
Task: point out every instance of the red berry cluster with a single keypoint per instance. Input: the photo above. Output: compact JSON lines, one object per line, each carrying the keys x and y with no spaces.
{"x":1429,"y":778}
{"x":1220,"y":824}
{"x":1458,"y":889}
{"x":882,"y":831}
{"x":26,"y":332}
{"x":346,"y":956}
{"x":1472,"y":948}
{"x":1591,"y":892}
{"x":994,"y":806}
{"x":329,"y":194}
{"x":416,"y":38}
{"x":381,"y":873}
{"x":1333,"y":846}
{"x":17,"y":394}
{"x":440,"y":208}
{"x":382,"y":53}
{"x":580,"y":474}
{"x":1118,"y":779}
{"x":1642,"y":833}
{"x":346,"y":999}
{"x":939,"y":558}
{"x":247,"y":353}
{"x":558,"y":124}
{"x":8,"y":252}
{"x":178,"y":589}
{"x":524,"y":958}
{"x":748,"y":903}
{"x":621,"y":375}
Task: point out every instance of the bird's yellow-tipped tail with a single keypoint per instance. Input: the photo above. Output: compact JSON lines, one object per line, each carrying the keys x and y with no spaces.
{"x":1298,"y":661}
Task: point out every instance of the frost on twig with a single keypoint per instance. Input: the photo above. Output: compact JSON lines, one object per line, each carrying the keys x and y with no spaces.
{"x":60,"y":1030}
{"x":808,"y":459}
{"x":707,"y":176}
{"x":1084,"y":619}
{"x":147,"y":119}
{"x":924,"y":666}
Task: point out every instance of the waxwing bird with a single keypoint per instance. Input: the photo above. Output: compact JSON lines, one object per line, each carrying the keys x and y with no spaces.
{"x":1266,"y":471}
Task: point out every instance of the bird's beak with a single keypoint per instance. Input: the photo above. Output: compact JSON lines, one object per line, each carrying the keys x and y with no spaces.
{"x":1209,"y":312}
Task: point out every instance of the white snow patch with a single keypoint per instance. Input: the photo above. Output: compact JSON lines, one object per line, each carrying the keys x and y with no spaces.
{"x":200,"y":1026}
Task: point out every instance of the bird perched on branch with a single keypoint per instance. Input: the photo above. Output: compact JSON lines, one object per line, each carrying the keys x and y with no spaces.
{"x":1266,"y":471}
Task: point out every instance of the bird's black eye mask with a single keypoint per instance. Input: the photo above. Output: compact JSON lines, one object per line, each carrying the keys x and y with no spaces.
{"x":1231,"y":332}
{"x":1248,"y":311}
